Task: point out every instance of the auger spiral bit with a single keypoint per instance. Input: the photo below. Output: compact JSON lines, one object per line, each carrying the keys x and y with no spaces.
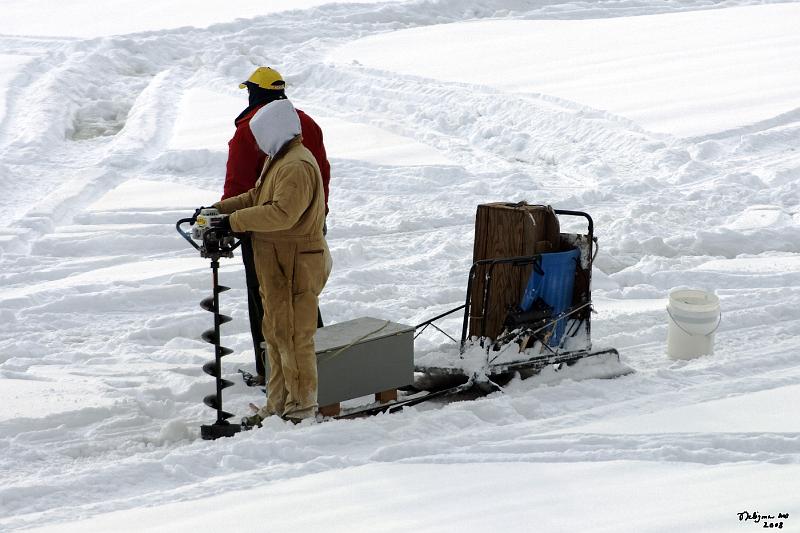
{"x":210,"y":336}
{"x":208,"y":303}
{"x":213,"y":247}
{"x":212,"y":401}
{"x":220,"y":428}
{"x":211,"y":368}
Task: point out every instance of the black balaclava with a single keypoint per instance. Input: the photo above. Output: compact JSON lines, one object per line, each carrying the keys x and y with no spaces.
{"x":258,"y":96}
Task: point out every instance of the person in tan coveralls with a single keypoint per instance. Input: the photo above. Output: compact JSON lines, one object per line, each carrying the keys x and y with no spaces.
{"x":284,"y":214}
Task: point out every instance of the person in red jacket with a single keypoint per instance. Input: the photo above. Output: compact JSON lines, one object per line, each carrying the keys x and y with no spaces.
{"x":245,"y":161}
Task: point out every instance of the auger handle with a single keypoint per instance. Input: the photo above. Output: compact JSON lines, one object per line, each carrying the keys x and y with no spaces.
{"x":184,"y":234}
{"x":592,"y":241}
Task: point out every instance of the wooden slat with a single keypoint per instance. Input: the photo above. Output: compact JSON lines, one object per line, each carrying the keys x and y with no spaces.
{"x":386,"y":396}
{"x":330,"y":410}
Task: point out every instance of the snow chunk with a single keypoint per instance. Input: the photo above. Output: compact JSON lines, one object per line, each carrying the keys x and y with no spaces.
{"x":150,"y":195}
{"x":26,"y":398}
{"x":350,"y":140}
{"x":205,"y":120}
{"x":756,"y":412}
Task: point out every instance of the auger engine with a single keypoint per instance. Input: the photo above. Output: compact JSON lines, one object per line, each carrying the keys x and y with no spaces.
{"x":205,"y":228}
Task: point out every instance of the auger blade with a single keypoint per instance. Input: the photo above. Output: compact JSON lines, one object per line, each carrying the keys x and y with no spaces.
{"x":225,"y":414}
{"x":210,"y":368}
{"x":212,"y":401}
{"x":223,"y":351}
{"x":207,"y":304}
{"x":210,"y":336}
{"x":224,"y":318}
{"x":222,"y":288}
{"x":219,"y":429}
{"x":226,"y":383}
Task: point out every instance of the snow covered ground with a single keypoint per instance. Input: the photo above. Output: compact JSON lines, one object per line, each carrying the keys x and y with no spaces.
{"x":676,"y":125}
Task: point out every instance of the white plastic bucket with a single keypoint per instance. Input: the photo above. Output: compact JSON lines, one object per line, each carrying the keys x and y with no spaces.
{"x":694,"y":317}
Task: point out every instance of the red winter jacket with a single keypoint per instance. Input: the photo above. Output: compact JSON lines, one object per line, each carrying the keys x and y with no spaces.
{"x":245,"y":159}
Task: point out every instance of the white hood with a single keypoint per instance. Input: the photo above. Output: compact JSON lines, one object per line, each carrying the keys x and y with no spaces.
{"x":274,"y":125}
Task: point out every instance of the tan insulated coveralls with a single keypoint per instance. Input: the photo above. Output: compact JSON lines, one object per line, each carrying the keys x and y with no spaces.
{"x":284,"y":214}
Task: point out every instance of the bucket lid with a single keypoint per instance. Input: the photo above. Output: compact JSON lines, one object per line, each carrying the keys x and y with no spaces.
{"x":694,"y":300}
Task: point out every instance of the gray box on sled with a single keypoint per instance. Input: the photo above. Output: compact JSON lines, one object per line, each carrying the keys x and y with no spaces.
{"x":362,"y":357}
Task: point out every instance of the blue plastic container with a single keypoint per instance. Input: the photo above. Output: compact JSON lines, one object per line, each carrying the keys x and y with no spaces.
{"x":554,"y":286}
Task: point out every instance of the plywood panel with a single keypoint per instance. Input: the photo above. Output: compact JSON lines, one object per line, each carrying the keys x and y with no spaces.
{"x":507,"y":230}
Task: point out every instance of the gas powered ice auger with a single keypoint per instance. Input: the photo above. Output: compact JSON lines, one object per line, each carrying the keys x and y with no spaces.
{"x":214,"y":243}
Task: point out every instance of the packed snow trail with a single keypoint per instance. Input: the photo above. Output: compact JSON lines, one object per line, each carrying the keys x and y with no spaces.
{"x":100,"y":296}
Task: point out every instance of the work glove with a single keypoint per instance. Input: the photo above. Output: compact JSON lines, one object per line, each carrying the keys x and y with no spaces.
{"x":223,"y":227}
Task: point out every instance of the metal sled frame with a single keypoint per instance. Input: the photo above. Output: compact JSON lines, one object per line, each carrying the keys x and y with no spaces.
{"x":533,"y":364}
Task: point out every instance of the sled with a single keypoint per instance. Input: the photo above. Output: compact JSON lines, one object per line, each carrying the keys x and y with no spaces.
{"x":540,"y":338}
